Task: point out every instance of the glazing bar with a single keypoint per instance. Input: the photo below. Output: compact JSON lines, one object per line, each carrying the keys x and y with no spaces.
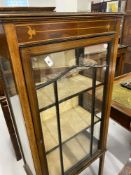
{"x":58,"y":126}
{"x":93,"y":108}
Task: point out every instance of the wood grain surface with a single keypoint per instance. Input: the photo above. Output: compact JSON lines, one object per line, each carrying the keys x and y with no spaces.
{"x":47,"y":31}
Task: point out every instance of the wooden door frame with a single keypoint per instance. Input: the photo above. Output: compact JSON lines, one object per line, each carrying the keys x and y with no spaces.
{"x":26,"y":54}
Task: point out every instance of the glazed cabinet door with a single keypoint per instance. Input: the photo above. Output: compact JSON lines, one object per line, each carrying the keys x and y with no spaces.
{"x":61,"y":82}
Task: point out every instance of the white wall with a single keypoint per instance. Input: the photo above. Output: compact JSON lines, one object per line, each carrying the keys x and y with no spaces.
{"x":84,"y":5}
{"x":38,"y":3}
{"x":42,"y":3}
{"x":61,"y":5}
{"x":66,"y":5}
{"x":95,"y":1}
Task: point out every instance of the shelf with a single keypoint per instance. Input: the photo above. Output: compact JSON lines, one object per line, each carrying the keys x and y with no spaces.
{"x":74,"y":119}
{"x":73,"y":152}
{"x":66,"y":88}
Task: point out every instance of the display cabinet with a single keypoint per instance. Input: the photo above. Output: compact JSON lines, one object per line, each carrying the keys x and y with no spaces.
{"x":125,"y":35}
{"x":48,"y":65}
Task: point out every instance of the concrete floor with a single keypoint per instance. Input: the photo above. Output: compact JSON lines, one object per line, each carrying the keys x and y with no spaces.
{"x":119,"y":142}
{"x":112,"y":166}
{"x":8,"y":163}
{"x":119,"y":149}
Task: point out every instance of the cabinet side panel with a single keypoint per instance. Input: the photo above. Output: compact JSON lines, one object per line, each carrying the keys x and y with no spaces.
{"x":26,"y":135}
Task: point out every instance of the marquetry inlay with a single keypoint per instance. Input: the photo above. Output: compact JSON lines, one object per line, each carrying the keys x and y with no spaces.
{"x":108,"y":27}
{"x":31,"y":32}
{"x":50,"y":31}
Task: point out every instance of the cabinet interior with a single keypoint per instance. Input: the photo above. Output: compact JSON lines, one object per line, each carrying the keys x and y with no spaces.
{"x":62,"y":81}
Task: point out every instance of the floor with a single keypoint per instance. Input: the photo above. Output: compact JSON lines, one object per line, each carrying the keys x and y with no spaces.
{"x":8,"y":163}
{"x":112,"y":166}
{"x":119,"y":149}
{"x":119,"y":142}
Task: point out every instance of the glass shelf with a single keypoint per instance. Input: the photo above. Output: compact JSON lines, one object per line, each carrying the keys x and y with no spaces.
{"x":66,"y":88}
{"x":74,"y":119}
{"x":74,"y":152}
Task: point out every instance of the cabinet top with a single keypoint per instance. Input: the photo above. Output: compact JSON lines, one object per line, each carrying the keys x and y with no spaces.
{"x":26,"y":13}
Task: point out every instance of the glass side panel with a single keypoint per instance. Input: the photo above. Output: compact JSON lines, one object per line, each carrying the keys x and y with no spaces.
{"x":66,"y":85}
{"x":8,"y":76}
{"x":16,"y":111}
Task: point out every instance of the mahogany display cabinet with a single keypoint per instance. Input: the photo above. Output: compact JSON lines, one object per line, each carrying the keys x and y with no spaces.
{"x":48,"y":65}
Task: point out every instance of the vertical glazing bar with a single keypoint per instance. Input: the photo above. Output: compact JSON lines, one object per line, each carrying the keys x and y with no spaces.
{"x":58,"y":126}
{"x":93,"y":108}
{"x":105,"y":89}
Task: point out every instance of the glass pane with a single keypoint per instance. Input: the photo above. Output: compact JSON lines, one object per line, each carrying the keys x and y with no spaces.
{"x":99,"y":54}
{"x":66,"y":87}
{"x":48,"y":67}
{"x":75,"y":121}
{"x":14,"y":102}
{"x":8,"y":77}
{"x":49,"y":126}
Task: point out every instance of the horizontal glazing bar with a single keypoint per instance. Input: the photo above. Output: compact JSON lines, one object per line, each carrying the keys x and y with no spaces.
{"x":86,"y":158}
{"x":67,"y":98}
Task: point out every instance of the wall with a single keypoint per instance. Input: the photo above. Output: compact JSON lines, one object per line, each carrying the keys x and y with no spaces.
{"x":74,"y":5}
{"x":61,"y":5}
{"x":84,"y":5}
{"x":66,"y":5}
{"x":40,"y":3}
{"x":96,"y":1}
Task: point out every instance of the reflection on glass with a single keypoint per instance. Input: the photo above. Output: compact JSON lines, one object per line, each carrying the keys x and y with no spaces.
{"x":69,"y":72}
{"x":15,"y":109}
{"x":8,"y":76}
{"x":46,"y":67}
